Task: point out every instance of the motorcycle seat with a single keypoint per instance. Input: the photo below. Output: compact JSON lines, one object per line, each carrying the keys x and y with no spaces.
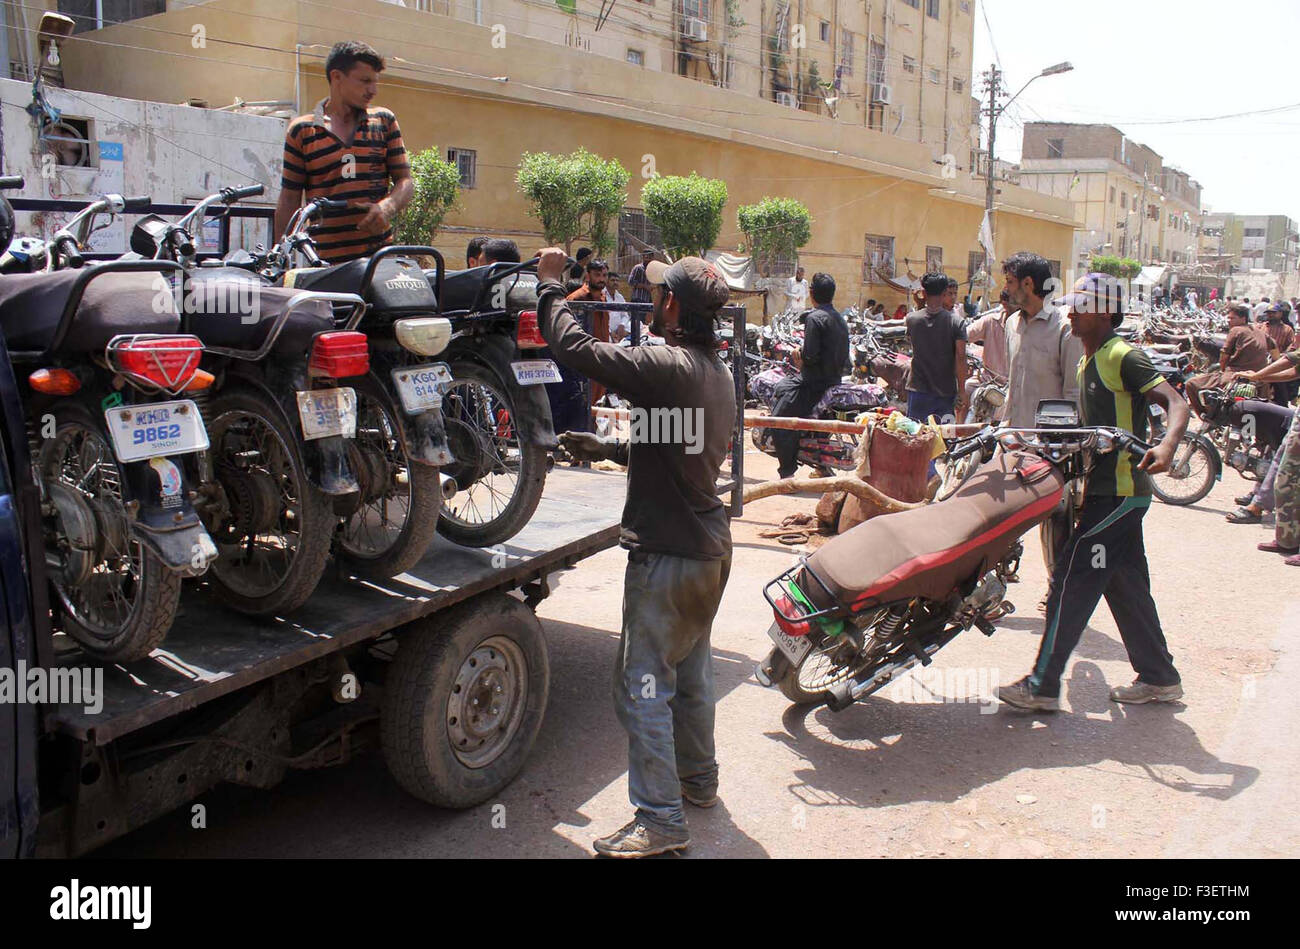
{"x":398,"y":285}
{"x":233,"y":308}
{"x":1170,"y":349}
{"x":31,"y":306}
{"x":461,"y":289}
{"x":929,"y":550}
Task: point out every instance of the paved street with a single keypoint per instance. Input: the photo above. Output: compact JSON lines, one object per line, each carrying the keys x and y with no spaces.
{"x":904,"y":774}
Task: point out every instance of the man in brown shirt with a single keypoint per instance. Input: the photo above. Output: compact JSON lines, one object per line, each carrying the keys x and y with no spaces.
{"x":593,"y":288}
{"x":1245,"y":350}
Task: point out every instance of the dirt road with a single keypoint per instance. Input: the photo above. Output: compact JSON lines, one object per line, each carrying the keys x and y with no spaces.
{"x":930,"y":767}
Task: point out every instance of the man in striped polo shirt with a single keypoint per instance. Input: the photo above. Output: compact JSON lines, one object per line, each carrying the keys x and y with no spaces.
{"x":348,"y":151}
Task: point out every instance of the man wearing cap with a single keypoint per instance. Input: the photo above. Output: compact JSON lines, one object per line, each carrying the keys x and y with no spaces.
{"x":1106,"y":556}
{"x":675,"y":529}
{"x":1244,"y":350}
{"x":821,"y":365}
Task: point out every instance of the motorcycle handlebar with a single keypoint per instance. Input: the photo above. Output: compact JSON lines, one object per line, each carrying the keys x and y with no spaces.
{"x":231,"y":195}
{"x":11,"y":181}
{"x":136,"y":204}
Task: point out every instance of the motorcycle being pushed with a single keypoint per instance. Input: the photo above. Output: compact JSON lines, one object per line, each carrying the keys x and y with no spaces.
{"x":822,"y":451}
{"x":896,"y":589}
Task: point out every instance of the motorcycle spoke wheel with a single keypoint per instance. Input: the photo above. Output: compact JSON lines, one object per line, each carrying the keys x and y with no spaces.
{"x":379,"y":521}
{"x":1190,"y":477}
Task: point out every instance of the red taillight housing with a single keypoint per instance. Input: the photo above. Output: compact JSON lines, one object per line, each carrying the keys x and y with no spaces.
{"x":529,"y":335}
{"x":156,"y":362}
{"x":785,"y":605}
{"x":341,"y":354}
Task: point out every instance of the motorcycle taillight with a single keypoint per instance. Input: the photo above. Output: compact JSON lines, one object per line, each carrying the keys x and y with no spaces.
{"x":341,"y":354}
{"x":529,"y":335}
{"x":785,"y":608}
{"x":163,"y":362}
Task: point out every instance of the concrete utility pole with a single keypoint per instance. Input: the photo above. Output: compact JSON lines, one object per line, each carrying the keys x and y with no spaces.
{"x":993,"y":83}
{"x":1142,"y":217}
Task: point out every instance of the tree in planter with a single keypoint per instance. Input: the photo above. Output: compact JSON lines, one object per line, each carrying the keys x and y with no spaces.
{"x":1124,"y":267}
{"x":774,"y":228}
{"x":574,"y":195}
{"x":687,"y":211}
{"x":437,"y":187}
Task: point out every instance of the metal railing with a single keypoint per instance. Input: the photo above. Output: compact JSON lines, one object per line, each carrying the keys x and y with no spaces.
{"x":223,"y":214}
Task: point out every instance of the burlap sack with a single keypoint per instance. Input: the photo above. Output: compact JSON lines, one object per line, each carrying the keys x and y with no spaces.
{"x":894,"y":464}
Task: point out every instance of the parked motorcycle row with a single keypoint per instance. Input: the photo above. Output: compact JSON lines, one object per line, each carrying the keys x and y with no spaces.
{"x":244,"y":420}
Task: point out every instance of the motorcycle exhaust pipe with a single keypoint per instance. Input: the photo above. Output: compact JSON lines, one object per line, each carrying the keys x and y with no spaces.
{"x":448,"y":485}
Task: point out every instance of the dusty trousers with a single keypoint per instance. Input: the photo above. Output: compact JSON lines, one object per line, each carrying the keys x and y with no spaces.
{"x":663,"y":681}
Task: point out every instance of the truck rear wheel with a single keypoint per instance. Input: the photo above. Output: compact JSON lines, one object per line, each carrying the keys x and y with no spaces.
{"x":464,"y":700}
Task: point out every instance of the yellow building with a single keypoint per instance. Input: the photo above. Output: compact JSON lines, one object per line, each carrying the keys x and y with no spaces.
{"x":485,"y":81}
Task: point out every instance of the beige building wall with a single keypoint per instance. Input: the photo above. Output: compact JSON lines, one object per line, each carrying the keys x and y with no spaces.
{"x":442,"y":84}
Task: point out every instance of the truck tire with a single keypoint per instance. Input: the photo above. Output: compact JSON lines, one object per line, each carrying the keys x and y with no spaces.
{"x":464,"y":700}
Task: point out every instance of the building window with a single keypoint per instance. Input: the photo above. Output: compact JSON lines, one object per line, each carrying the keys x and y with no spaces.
{"x":1056,"y":148}
{"x":933,"y":74}
{"x":965,"y":6}
{"x":1254,"y":232}
{"x":974,"y":262}
{"x":933,"y":259}
{"x":846,"y":53}
{"x":957,"y":84}
{"x":696,"y":8}
{"x":71,"y":141}
{"x":877,"y":256}
{"x":113,"y":11}
{"x":635,"y":233}
{"x":466,"y":162}
{"x":636,"y":57}
{"x":932,"y":9}
{"x":909,"y":64}
{"x":1112,"y":194}
{"x":1055,"y":267}
{"x":914,"y":4}
{"x":1123,"y":201}
{"x":824,"y":32}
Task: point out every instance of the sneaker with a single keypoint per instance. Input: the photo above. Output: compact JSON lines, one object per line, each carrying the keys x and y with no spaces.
{"x":700,"y":798}
{"x":1019,"y":695}
{"x":636,"y":839}
{"x":1141,"y":692}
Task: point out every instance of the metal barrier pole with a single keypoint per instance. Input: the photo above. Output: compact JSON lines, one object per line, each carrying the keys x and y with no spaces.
{"x":737,"y":507}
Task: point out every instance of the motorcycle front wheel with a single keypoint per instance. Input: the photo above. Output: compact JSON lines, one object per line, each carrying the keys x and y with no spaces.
{"x":117,"y":599}
{"x":500,"y":476}
{"x":1190,"y":477}
{"x":397,"y":514}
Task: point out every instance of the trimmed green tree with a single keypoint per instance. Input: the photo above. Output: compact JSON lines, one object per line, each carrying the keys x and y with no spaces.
{"x":687,"y":211}
{"x":574,"y":195}
{"x":774,"y":228}
{"x":1124,"y":267}
{"x":437,"y":188}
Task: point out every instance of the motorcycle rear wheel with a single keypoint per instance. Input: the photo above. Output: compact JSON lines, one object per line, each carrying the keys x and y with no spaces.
{"x":274,"y":540}
{"x":500,"y":476}
{"x":389,"y":533}
{"x":125,"y":607}
{"x":808,"y":682}
{"x":1190,"y":477}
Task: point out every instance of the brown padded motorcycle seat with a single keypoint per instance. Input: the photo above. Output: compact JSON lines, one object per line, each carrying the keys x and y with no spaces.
{"x":928,"y":550}
{"x":31,"y":306}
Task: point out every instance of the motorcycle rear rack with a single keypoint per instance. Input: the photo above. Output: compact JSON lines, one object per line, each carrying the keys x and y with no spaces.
{"x":837,"y":611}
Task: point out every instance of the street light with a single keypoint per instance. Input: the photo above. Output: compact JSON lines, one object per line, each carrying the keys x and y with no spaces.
{"x":995,"y":81}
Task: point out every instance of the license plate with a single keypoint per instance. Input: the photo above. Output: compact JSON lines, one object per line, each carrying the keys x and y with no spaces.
{"x":156,"y":430}
{"x":794,"y":647}
{"x":532,"y":372}
{"x":326,"y":412}
{"x":420,"y":387}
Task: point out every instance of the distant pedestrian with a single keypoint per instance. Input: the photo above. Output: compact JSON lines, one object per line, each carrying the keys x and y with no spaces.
{"x":938,"y":339}
{"x":637,"y":278}
{"x":796,"y":291}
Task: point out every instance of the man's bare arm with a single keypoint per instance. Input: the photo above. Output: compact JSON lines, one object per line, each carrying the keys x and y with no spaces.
{"x":289,"y":202}
{"x":1161,"y":456}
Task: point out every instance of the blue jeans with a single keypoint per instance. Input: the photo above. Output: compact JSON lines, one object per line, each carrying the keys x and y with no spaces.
{"x":663,"y":682}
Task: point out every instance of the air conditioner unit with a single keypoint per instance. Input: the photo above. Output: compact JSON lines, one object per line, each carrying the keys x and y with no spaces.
{"x":788,"y":99}
{"x":882,"y":93}
{"x":695,"y":29}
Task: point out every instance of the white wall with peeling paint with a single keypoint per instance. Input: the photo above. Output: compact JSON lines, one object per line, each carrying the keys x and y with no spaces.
{"x":173,"y":153}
